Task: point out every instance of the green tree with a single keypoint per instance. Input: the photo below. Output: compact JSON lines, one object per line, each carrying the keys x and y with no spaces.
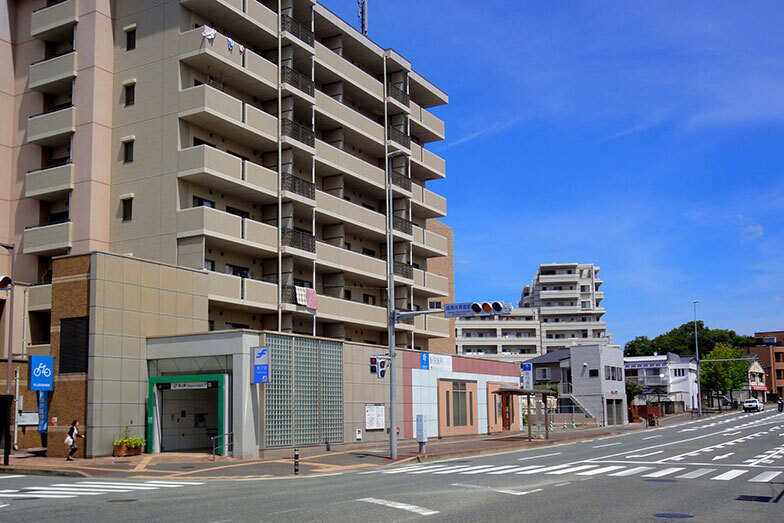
{"x":632,"y":390}
{"x":639,"y":346}
{"x":680,"y":340}
{"x":723,"y":376}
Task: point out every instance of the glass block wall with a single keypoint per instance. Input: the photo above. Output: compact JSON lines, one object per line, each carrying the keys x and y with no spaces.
{"x":304,"y":399}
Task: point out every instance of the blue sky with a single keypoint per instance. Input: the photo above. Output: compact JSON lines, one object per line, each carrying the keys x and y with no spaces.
{"x":645,"y":137}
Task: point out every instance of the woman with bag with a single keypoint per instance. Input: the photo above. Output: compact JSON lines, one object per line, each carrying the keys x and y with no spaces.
{"x":70,"y":439}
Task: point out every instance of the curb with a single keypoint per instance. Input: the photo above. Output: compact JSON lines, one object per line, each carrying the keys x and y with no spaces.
{"x":44,"y":472}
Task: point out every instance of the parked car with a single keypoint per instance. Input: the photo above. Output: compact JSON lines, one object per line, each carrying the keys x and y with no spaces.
{"x":753,"y":404}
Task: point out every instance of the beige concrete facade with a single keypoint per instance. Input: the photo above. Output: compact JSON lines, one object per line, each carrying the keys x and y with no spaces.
{"x":258,"y":151}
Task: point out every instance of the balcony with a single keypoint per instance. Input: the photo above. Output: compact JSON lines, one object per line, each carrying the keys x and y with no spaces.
{"x":51,"y":183}
{"x":430,"y":284}
{"x":297,"y":239}
{"x":341,"y":67}
{"x":558,"y":278}
{"x":402,"y":225}
{"x":650,"y":381}
{"x":341,"y":210}
{"x":400,"y":180}
{"x":428,"y":243}
{"x":247,"y":71}
{"x":431,"y":326}
{"x":255,"y":24}
{"x":39,"y":297}
{"x":404,"y":270}
{"x":224,"y":229}
{"x":210,"y":167}
{"x":426,"y":164}
{"x":296,"y":29}
{"x":54,"y":22}
{"x":215,"y":110}
{"x":52,"y":128}
{"x":298,"y":132}
{"x":427,"y":204}
{"x":224,"y":287}
{"x":351,"y":312}
{"x":247,"y":293}
{"x":398,"y":94}
{"x":53,"y":74}
{"x":349,"y":118}
{"x":296,"y":185}
{"x":353,"y":262}
{"x":349,"y":164}
{"x":298,"y":80}
{"x":399,"y":137}
{"x":48,"y":240}
{"x":560,"y":294}
{"x":425,"y":126}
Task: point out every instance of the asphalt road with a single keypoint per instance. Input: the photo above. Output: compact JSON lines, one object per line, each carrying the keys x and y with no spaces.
{"x":725,"y":468}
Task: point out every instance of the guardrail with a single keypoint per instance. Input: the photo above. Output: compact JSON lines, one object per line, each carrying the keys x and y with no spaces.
{"x":215,"y":446}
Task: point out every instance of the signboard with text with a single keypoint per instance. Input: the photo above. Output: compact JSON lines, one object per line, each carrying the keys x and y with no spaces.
{"x":374,"y":416}
{"x":428,"y":361}
{"x":260,"y":365}
{"x":528,"y":376}
{"x":458,"y":310}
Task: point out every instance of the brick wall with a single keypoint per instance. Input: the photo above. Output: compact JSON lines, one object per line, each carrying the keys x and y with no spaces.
{"x":443,"y":266}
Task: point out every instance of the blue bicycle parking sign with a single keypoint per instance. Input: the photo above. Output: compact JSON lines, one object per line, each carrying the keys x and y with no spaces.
{"x":41,"y":372}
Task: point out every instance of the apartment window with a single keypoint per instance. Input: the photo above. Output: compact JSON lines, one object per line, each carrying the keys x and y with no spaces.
{"x":130,"y":39}
{"x":778,"y":357}
{"x":128,"y":151}
{"x":779,"y":374}
{"x":435,"y":304}
{"x":446,"y":393}
{"x":369,"y":299}
{"x":230,"y":325}
{"x":678,"y":372}
{"x":368,"y":252}
{"x":347,"y":246}
{"x":201,"y":202}
{"x":237,"y":270}
{"x":593,"y":373}
{"x":347,"y":294}
{"x":237,"y":212}
{"x":303,"y":283}
{"x":127,"y":209}
{"x":585,"y":288}
{"x":543,"y":374}
{"x":199,"y":141}
{"x":209,"y":265}
{"x":607,"y":372}
{"x":130,"y":95}
{"x":585,"y":304}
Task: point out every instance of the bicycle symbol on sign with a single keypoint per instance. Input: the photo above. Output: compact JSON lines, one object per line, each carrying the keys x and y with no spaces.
{"x":42,"y":369}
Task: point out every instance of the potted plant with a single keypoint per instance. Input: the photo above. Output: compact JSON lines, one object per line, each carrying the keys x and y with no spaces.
{"x":127,"y":445}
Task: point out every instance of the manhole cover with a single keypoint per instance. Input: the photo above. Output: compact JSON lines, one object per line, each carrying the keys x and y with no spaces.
{"x":188,"y":467}
{"x":120,"y":500}
{"x":759,"y":499}
{"x":673,"y":515}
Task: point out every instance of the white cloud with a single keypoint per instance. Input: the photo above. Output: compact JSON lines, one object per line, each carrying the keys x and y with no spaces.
{"x":752,"y":232}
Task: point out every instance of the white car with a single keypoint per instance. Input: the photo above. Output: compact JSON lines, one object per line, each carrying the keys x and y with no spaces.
{"x":753,"y":404}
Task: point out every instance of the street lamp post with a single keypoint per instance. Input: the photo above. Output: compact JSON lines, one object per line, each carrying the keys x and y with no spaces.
{"x":697,"y":354}
{"x":10,"y":247}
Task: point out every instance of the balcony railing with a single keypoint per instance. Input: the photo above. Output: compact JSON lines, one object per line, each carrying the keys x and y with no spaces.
{"x":401,"y":180}
{"x":400,"y":137}
{"x":297,"y":185}
{"x":49,"y":4}
{"x":398,"y":94}
{"x":298,"y":239}
{"x":297,"y":79}
{"x":401,"y":225}
{"x":404,"y":270}
{"x":56,"y":55}
{"x":296,"y":28}
{"x":288,"y":294}
{"x":298,"y":132}
{"x":54,"y":109}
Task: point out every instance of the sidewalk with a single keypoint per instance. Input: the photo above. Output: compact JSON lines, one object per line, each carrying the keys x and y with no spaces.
{"x":313,"y":460}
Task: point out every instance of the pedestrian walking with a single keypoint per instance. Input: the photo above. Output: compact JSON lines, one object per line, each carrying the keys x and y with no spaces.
{"x":70,"y":439}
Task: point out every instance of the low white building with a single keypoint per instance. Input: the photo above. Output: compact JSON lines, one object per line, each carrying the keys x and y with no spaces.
{"x":669,"y":380}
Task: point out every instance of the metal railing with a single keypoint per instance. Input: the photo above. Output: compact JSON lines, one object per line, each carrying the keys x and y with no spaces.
{"x":215,"y":445}
{"x":400,"y":180}
{"x":298,"y":132}
{"x":297,"y":79}
{"x":401,"y":225}
{"x":296,"y":28}
{"x":396,"y":135}
{"x":404,"y":270}
{"x":298,"y":239}
{"x":297,"y":185}
{"x":288,"y":294}
{"x":398,"y":94}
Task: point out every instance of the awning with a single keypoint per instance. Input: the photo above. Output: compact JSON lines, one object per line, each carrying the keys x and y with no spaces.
{"x":759,"y":387}
{"x":514,"y":391}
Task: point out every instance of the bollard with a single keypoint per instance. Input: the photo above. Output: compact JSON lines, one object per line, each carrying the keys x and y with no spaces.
{"x":326,"y":442}
{"x":574,"y":425}
{"x":565,"y":426}
{"x":296,"y":462}
{"x":550,"y":426}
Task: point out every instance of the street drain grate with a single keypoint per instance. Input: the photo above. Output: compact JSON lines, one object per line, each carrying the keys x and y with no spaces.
{"x":759,"y":499}
{"x":121,"y":500}
{"x":672,"y":515}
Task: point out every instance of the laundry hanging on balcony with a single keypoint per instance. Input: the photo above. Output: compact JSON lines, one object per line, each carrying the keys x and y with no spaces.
{"x":230,"y":43}
{"x":208,"y":32}
{"x":302,"y":295}
{"x":311,"y":299}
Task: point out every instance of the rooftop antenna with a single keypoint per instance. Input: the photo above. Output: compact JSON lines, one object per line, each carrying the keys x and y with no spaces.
{"x":362,"y":14}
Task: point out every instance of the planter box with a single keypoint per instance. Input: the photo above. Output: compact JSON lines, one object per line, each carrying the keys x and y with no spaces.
{"x":122,"y":450}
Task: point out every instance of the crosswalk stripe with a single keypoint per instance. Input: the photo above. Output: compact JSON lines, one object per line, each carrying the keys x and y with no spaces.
{"x":516,"y":469}
{"x":489,"y":471}
{"x":462,"y":469}
{"x":451,"y":469}
{"x":573,"y":469}
{"x":404,"y":469}
{"x":157,"y":482}
{"x":764,"y":477}
{"x":56,"y":490}
{"x":47,"y":496}
{"x":663,"y":472}
{"x":429,"y":469}
{"x":600,"y":471}
{"x":9,"y":476}
{"x":630,"y":472}
{"x":695,"y":473}
{"x":546,"y":469}
{"x":734,"y":473}
{"x":131,"y":486}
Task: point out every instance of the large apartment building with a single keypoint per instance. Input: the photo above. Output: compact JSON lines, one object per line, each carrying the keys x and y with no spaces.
{"x":257,"y":140}
{"x":558,"y":310}
{"x":770,"y":351}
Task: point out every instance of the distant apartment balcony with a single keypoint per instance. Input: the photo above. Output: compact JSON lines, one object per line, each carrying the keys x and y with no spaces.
{"x":350,"y":165}
{"x":404,"y":270}
{"x":298,"y":132}
{"x":298,"y":80}
{"x":48,"y":240}
{"x":336,"y":64}
{"x":426,"y":164}
{"x":295,"y":185}
{"x":427,"y":243}
{"x":53,"y":74}
{"x":51,"y":183}
{"x":54,"y":21}
{"x":210,"y":167}
{"x":560,"y":294}
{"x":53,"y":127}
{"x":297,"y":239}
{"x":333,"y":257}
{"x":241,"y":234}
{"x":39,"y":297}
{"x":399,"y":95}
{"x":340,"y":210}
{"x":431,"y":326}
{"x":426,"y":126}
{"x":426,"y":203}
{"x":351,"y":312}
{"x":402,"y":225}
{"x":362,"y":127}
{"x":649,"y":381}
{"x":399,"y":137}
{"x":251,"y":293}
{"x":400,"y":180}
{"x":558,"y":278}
{"x":297,"y":29}
{"x":249,"y":20}
{"x":430,"y":284}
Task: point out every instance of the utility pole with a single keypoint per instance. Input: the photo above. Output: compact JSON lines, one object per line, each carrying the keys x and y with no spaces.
{"x":11,"y":248}
{"x":697,"y":354}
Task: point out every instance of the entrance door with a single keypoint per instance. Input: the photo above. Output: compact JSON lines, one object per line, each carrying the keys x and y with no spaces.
{"x":610,"y":410}
{"x":189,"y":418}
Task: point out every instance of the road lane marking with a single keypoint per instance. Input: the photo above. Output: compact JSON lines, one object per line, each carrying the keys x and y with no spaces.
{"x":607,"y":445}
{"x":517,"y":492}
{"x":432,"y":468}
{"x":651,"y":437}
{"x":723,"y":456}
{"x":764,"y":477}
{"x":402,"y":506}
{"x":3,"y":476}
{"x":537,"y":457}
{"x":601,"y":470}
{"x":57,"y":490}
{"x":573,"y":469}
{"x":132,"y":486}
{"x":404,"y":469}
{"x":731,"y":474}
{"x":46,"y":496}
{"x":516,"y":469}
{"x":645,"y":455}
{"x":156,"y":482}
{"x":695,"y":473}
{"x":631,"y":472}
{"x":663,"y":472}
{"x":464,"y":469}
{"x":546,"y":469}
{"x":453,"y":468}
{"x":489,"y":471}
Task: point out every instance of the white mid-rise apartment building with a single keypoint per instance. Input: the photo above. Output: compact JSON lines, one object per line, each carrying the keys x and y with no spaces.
{"x":668,"y":380}
{"x":561,"y":308}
